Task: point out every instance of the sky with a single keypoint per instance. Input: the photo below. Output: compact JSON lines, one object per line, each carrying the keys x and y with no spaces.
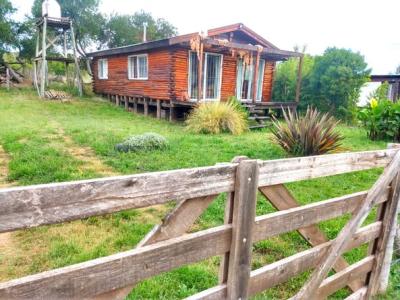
{"x":369,"y":27}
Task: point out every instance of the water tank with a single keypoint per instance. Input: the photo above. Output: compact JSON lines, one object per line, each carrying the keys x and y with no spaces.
{"x":51,"y":9}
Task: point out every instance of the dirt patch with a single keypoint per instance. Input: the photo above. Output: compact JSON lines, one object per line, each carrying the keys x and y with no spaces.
{"x":4,"y":161}
{"x":90,"y":161}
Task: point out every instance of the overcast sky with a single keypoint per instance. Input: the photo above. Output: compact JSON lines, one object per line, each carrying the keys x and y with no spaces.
{"x":369,"y":26}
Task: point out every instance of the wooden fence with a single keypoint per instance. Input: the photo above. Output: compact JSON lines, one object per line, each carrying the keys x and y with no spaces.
{"x":168,"y":246}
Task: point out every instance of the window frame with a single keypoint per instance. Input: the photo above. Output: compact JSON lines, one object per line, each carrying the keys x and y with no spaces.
{"x":203,"y":80}
{"x":100,"y":62}
{"x":130,"y":77}
{"x":260,"y":85}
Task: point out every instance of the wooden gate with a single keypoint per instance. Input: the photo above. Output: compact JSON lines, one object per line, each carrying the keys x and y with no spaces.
{"x":169,"y":246}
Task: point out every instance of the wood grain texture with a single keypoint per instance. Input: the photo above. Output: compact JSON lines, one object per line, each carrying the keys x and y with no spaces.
{"x":358,"y":295}
{"x":228,"y":216}
{"x":357,"y":271}
{"x":384,"y":246}
{"x":308,"y":291}
{"x":31,"y":206}
{"x":244,"y":212}
{"x":161,"y":258}
{"x":176,"y":223}
{"x":53,"y":203}
{"x":306,"y":215}
{"x":282,"y":199}
{"x":280,"y":271}
{"x":156,"y":86}
{"x":115,"y":271}
{"x":294,"y":169}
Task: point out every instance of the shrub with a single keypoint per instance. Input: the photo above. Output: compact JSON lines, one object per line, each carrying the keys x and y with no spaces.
{"x":382,"y":120}
{"x":311,"y":134}
{"x":147,"y":141}
{"x":217,"y":117}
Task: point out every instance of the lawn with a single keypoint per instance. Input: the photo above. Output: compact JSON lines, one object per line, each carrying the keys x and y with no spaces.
{"x":46,"y":141}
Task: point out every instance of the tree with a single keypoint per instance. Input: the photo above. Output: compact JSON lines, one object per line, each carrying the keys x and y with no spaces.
{"x":88,"y":21}
{"x":336,"y":80}
{"x":7,"y":27}
{"x":285,"y":80}
{"x":122,"y":30}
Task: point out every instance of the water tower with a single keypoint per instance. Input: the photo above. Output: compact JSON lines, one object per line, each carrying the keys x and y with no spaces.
{"x":54,"y":33}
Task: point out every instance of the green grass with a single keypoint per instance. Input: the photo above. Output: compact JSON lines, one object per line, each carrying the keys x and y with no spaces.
{"x":29,"y":133}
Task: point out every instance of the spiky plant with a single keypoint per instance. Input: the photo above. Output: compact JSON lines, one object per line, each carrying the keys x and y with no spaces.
{"x":311,"y":134}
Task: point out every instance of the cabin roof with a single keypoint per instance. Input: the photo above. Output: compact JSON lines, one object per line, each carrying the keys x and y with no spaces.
{"x":269,"y":49}
{"x":240,"y":27}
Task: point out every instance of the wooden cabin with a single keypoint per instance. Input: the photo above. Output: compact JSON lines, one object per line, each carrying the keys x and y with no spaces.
{"x":170,"y":76}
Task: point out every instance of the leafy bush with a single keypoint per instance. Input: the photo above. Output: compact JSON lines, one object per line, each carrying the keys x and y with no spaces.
{"x":147,"y":141}
{"x":218,"y":117}
{"x":311,"y":134}
{"x":382,"y":120}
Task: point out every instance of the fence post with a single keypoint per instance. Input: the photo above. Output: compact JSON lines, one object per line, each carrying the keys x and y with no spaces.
{"x":244,"y":211}
{"x":224,"y":265}
{"x":384,"y":255}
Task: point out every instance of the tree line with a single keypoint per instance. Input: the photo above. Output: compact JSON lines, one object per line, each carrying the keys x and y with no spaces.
{"x":93,"y":29}
{"x":331,"y":82}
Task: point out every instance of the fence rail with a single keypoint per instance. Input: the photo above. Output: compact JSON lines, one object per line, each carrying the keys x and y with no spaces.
{"x":168,"y":246}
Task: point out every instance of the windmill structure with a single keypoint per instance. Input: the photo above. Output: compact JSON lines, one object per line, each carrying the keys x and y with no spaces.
{"x":55,"y":42}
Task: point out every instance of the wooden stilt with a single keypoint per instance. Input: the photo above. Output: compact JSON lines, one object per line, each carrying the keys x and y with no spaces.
{"x":171,"y":112}
{"x":158,"y":109}
{"x":77,"y":69}
{"x":126,"y":102}
{"x":43,"y":66}
{"x":135,"y":108}
{"x":146,"y":106}
{"x":116,"y":100}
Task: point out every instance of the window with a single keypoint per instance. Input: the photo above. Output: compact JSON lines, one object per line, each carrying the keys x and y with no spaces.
{"x":245,"y":77}
{"x":137,"y":66}
{"x":102,"y":69}
{"x":212,"y":75}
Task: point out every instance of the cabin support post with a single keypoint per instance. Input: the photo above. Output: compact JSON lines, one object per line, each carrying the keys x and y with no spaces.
{"x":126,"y":102}
{"x":299,"y":78}
{"x":200,"y":70}
{"x":116,"y":100}
{"x":135,"y":100}
{"x":171,"y":111}
{"x":256,"y":71}
{"x":158,"y":109}
{"x":146,"y":106}
{"x":244,"y":211}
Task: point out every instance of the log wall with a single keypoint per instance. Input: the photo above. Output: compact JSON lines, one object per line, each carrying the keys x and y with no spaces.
{"x":157,"y":86}
{"x":168,"y":76}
